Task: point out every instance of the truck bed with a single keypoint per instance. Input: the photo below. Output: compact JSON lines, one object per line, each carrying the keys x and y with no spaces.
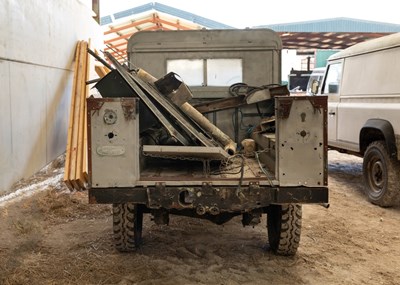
{"x":176,"y":172}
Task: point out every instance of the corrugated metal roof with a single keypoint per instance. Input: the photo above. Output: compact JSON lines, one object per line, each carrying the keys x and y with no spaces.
{"x":133,"y":11}
{"x":335,"y":25}
{"x":168,"y":10}
{"x":105,"y":20}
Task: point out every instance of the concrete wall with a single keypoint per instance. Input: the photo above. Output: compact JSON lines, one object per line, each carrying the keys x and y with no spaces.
{"x":37,"y":45}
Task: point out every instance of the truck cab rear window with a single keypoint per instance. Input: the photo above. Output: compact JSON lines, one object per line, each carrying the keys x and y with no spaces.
{"x":208,"y":72}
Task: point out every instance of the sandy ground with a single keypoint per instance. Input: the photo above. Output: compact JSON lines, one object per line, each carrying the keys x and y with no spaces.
{"x":54,"y":237}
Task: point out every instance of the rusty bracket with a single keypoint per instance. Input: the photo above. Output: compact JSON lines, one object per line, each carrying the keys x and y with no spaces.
{"x":130,"y":108}
{"x":318,"y":103}
{"x":94,"y":105}
{"x":285,"y":104}
{"x":154,"y":196}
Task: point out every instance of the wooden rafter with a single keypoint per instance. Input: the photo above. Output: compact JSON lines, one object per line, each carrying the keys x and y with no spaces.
{"x":176,"y":25}
{"x":131,"y":25}
{"x":118,"y":36}
{"x":111,"y":46}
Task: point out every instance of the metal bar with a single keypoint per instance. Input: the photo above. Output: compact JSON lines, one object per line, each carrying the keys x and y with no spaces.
{"x":92,"y":53}
{"x":237,"y":127}
{"x":93,"y":81}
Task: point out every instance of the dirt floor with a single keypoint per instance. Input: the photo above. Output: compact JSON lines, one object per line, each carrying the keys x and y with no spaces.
{"x":54,"y":237}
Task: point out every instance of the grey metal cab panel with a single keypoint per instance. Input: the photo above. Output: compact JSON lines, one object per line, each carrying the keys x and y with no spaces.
{"x":259,"y":51}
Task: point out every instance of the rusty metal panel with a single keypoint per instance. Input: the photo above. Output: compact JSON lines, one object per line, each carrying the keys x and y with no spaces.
{"x":113,"y":142}
{"x":301,"y":141}
{"x":207,"y":198}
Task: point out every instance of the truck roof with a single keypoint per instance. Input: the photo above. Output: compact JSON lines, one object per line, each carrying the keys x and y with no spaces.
{"x":381,"y":43}
{"x":204,"y":39}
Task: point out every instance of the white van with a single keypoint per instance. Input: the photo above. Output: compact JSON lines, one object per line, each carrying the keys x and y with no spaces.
{"x":363,"y":87}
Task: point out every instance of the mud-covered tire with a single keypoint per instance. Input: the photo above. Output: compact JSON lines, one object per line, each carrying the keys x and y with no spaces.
{"x":127,"y":226}
{"x":284,"y":228}
{"x":381,"y":175}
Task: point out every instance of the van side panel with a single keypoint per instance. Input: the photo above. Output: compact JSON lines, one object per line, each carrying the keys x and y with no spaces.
{"x":358,"y":114}
{"x":370,"y":89}
{"x":375,"y":73}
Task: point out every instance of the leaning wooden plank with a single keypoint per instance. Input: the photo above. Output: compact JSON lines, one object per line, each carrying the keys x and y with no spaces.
{"x":84,"y":165}
{"x":81,"y":166}
{"x":75,"y":134}
{"x":71,"y":116}
{"x":84,"y":158}
{"x":75,"y":129}
{"x":80,"y":122}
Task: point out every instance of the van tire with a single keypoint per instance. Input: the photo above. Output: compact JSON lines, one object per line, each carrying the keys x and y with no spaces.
{"x":381,"y":175}
{"x":284,"y":228}
{"x":127,"y":226}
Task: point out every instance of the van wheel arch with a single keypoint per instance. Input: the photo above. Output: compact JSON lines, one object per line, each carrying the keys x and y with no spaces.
{"x":378,"y":130}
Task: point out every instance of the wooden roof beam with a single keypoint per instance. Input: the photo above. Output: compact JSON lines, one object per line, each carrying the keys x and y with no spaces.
{"x":115,"y":46}
{"x":123,"y":50}
{"x":118,"y":38}
{"x":155,"y":28}
{"x":131,"y":25}
{"x":175,"y":25}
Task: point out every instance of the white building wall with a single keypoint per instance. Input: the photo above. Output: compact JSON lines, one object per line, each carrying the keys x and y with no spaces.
{"x":37,"y":46}
{"x":289,"y":61}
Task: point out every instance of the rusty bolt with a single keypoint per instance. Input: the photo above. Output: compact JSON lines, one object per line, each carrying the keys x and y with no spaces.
{"x":200,"y":210}
{"x":214,"y":210}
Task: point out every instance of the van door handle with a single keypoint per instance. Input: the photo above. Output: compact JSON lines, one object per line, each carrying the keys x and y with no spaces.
{"x":332,"y":113}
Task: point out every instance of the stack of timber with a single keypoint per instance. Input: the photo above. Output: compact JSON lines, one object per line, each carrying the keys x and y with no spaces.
{"x":75,"y":174}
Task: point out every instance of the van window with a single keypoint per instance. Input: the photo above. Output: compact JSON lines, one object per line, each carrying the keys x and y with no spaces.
{"x":333,"y":76}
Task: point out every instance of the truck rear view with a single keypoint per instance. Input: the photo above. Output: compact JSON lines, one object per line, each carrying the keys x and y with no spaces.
{"x":207,"y":149}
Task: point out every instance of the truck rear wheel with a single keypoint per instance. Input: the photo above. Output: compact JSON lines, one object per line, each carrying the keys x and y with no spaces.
{"x":381,"y":175}
{"x":127,"y":226}
{"x":284,"y":228}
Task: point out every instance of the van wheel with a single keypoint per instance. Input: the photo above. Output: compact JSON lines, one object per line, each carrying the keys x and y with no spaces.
{"x":381,"y":175}
{"x":127,"y":226}
{"x":284,"y":228}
